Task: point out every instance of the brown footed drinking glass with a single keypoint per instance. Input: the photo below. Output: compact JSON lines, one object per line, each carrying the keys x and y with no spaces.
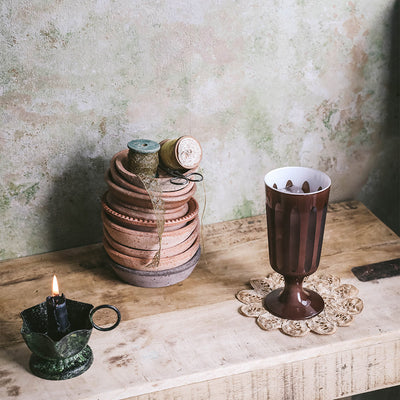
{"x":296,"y":206}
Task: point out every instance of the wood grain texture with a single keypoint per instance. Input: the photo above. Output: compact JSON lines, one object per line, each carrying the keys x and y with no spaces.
{"x":189,"y":340}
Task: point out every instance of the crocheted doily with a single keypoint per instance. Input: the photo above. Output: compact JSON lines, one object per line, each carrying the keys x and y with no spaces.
{"x":341,"y":305}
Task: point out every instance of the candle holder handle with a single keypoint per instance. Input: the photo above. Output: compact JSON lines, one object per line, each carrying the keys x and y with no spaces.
{"x":100,"y":328}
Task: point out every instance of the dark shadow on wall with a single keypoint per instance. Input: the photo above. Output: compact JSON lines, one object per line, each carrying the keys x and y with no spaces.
{"x":394,"y":77}
{"x":393,"y":132}
{"x":74,"y":206}
{"x":383,"y":196}
{"x":386,"y":205}
{"x":388,"y":208}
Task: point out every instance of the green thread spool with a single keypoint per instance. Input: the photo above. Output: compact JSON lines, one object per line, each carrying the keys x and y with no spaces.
{"x":143,"y":157}
{"x":180,"y":154}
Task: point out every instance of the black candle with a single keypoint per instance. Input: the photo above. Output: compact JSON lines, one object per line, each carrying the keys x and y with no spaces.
{"x":57,"y":316}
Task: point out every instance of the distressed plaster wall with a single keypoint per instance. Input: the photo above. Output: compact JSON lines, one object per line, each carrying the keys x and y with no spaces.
{"x":260,"y":84}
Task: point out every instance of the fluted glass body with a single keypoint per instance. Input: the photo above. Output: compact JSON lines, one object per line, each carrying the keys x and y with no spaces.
{"x":296,"y":224}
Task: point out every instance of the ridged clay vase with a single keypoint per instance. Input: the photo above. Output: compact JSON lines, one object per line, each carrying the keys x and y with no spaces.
{"x":150,"y":225}
{"x":149,"y":254}
{"x":164,"y":179}
{"x":156,"y":279}
{"x":121,"y":181}
{"x":144,"y":264}
{"x":143,"y":200}
{"x":144,"y":213}
{"x":147,"y":240}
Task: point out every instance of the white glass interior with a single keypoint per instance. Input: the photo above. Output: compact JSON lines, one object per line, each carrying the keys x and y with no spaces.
{"x":298,"y":175}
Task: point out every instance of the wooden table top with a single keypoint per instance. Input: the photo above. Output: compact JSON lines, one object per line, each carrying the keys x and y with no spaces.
{"x":190,"y":341}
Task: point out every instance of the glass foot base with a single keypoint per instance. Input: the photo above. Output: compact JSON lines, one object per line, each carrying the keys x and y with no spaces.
{"x":64,"y":368}
{"x":298,"y":305}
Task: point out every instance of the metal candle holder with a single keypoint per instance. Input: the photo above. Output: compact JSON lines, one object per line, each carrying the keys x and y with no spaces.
{"x":69,"y":356}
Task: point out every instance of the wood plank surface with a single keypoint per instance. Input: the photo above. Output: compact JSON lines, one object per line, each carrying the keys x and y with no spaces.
{"x":189,"y":340}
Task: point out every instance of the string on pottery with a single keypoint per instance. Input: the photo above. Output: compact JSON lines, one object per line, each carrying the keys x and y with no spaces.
{"x":154,"y":191}
{"x":203,"y":212}
{"x":143,"y":161}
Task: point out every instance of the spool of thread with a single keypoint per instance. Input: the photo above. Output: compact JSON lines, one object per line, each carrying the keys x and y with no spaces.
{"x":143,"y":157}
{"x":180,"y":154}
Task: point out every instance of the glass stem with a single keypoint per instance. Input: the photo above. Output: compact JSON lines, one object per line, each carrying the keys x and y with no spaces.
{"x":293,"y":291}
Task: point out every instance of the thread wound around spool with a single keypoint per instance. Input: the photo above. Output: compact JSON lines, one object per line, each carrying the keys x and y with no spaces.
{"x":180,"y":154}
{"x":143,"y":157}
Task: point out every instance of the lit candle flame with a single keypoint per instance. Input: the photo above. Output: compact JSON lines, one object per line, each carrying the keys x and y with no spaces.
{"x":55,"y":291}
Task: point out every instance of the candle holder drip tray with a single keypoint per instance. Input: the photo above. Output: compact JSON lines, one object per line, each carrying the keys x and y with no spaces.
{"x":69,"y":356}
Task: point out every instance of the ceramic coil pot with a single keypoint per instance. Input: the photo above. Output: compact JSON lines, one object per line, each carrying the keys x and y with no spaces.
{"x":143,"y":200}
{"x":147,"y":240}
{"x":144,"y":263}
{"x":150,"y":254}
{"x":138,"y":187}
{"x":156,"y":279}
{"x":144,"y":213}
{"x":120,"y":160}
{"x":150,"y":225}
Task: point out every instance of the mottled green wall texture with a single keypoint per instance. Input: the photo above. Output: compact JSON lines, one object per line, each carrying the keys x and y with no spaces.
{"x":260,"y":83}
